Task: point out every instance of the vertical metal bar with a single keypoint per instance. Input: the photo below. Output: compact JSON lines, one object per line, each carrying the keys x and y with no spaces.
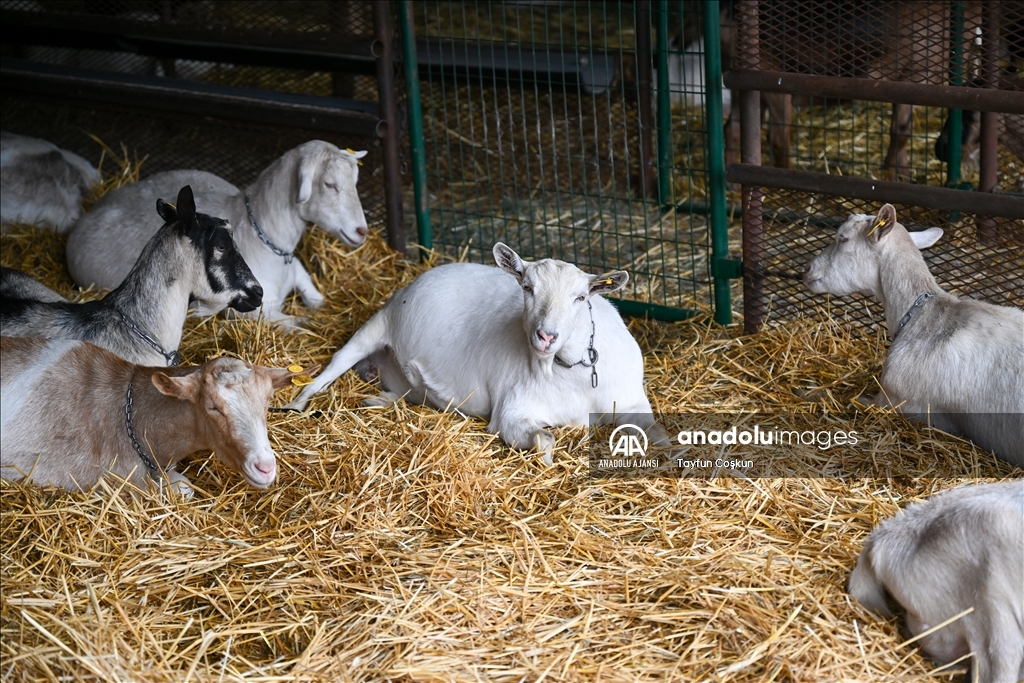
{"x":387,"y":127}
{"x":417,"y":148}
{"x":643,"y":77}
{"x":664,"y":108}
{"x":956,"y":77}
{"x":989,"y":172}
{"x":716,"y":159}
{"x":748,"y":34}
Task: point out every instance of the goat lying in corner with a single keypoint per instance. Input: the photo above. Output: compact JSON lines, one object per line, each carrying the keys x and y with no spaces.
{"x":191,"y":257}
{"x":957,"y":363}
{"x":961,"y":549}
{"x":455,"y":338}
{"x":73,"y":412}
{"x":40,"y":183}
{"x":313,"y":183}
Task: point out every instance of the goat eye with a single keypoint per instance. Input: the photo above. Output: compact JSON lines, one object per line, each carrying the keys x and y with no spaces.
{"x":843,"y":240}
{"x":580,"y":298}
{"x":331,"y":186}
{"x":528,"y":289}
{"x":213,"y":409}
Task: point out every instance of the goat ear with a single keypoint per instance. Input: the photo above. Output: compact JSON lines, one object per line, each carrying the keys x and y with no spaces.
{"x":609,"y":282}
{"x":166,"y":211}
{"x":186,"y":207}
{"x":186,"y":388}
{"x":509,"y":260}
{"x":282,"y":377}
{"x":884,"y":222}
{"x":307,"y":173}
{"x":926,"y":238}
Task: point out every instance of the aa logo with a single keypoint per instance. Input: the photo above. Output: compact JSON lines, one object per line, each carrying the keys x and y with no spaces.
{"x":628,"y":441}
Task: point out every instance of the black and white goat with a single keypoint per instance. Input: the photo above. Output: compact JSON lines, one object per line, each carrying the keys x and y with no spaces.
{"x":192,"y":257}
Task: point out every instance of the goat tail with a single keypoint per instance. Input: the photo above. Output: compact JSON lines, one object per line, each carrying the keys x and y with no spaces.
{"x":370,"y":338}
{"x":866,"y":586}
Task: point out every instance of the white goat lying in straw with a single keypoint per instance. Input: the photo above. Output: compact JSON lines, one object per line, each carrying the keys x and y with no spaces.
{"x":957,"y":363}
{"x":962,"y":549}
{"x":313,"y":183}
{"x":73,"y":412}
{"x":455,"y":338}
{"x":42,"y":184}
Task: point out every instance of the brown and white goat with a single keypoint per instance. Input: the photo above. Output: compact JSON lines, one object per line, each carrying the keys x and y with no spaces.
{"x":962,"y":549}
{"x":73,"y":412}
{"x":954,"y":362}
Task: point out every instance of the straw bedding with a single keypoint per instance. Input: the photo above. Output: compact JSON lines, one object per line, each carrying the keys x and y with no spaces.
{"x":406,"y":544}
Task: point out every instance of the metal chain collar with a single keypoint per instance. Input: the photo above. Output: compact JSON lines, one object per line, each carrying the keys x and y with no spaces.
{"x":154,"y":469}
{"x":286,"y":255}
{"x":173,"y":358}
{"x":591,"y":353}
{"x":910,"y":312}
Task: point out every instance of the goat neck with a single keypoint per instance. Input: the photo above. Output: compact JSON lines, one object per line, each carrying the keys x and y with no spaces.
{"x":903,"y":277}
{"x":156,"y":293}
{"x":165,"y":427}
{"x":268,"y":199}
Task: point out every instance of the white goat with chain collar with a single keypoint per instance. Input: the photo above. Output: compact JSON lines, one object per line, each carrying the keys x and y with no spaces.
{"x":954,"y":362}
{"x":455,"y":338}
{"x":314,"y":183}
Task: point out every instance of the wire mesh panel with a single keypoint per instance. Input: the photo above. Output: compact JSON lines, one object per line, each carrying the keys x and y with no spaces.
{"x":265,"y":35}
{"x":906,"y":52}
{"x":542,"y":130}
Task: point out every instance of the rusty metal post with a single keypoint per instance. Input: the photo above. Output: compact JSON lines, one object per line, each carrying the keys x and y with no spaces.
{"x":388,"y":126}
{"x":748,"y":57}
{"x":989,"y":164}
{"x":648,"y":178}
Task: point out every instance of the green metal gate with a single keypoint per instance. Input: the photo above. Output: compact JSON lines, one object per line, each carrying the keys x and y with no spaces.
{"x":574,"y":130}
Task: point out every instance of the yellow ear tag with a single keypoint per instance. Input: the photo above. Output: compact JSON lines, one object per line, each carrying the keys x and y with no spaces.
{"x":294,"y":368}
{"x":880,"y":224}
{"x":302,"y":380}
{"x":608,"y":281}
{"x":353,"y":153}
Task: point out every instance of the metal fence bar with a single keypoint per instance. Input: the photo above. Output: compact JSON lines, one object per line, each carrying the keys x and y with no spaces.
{"x":716,"y":163}
{"x":417,"y":147}
{"x":989,"y":163}
{"x":956,"y":77}
{"x":387,"y":127}
{"x":976,"y":99}
{"x":664,"y":108}
{"x":872,"y":190}
{"x":748,"y":32}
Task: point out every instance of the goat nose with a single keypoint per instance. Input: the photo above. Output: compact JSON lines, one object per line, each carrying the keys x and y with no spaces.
{"x":257,"y":291}
{"x":267,"y":468}
{"x":545,"y":337}
{"x":362,"y":231}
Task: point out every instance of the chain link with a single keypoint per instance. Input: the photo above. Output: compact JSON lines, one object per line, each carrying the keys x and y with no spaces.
{"x":591,"y":353}
{"x":286,"y":255}
{"x":154,"y":470}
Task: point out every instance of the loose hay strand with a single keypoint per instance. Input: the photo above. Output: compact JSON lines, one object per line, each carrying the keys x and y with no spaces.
{"x":407,"y":544}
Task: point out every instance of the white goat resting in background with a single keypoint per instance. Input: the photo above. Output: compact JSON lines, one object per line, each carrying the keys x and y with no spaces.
{"x":312,"y":183}
{"x":42,"y":184}
{"x":486,"y":341}
{"x":961,"y":549}
{"x":957,"y":363}
{"x":73,"y":412}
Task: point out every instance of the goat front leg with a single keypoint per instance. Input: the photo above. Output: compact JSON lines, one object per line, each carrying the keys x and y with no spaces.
{"x":896,"y":166}
{"x":519,"y":431}
{"x":311,"y":296}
